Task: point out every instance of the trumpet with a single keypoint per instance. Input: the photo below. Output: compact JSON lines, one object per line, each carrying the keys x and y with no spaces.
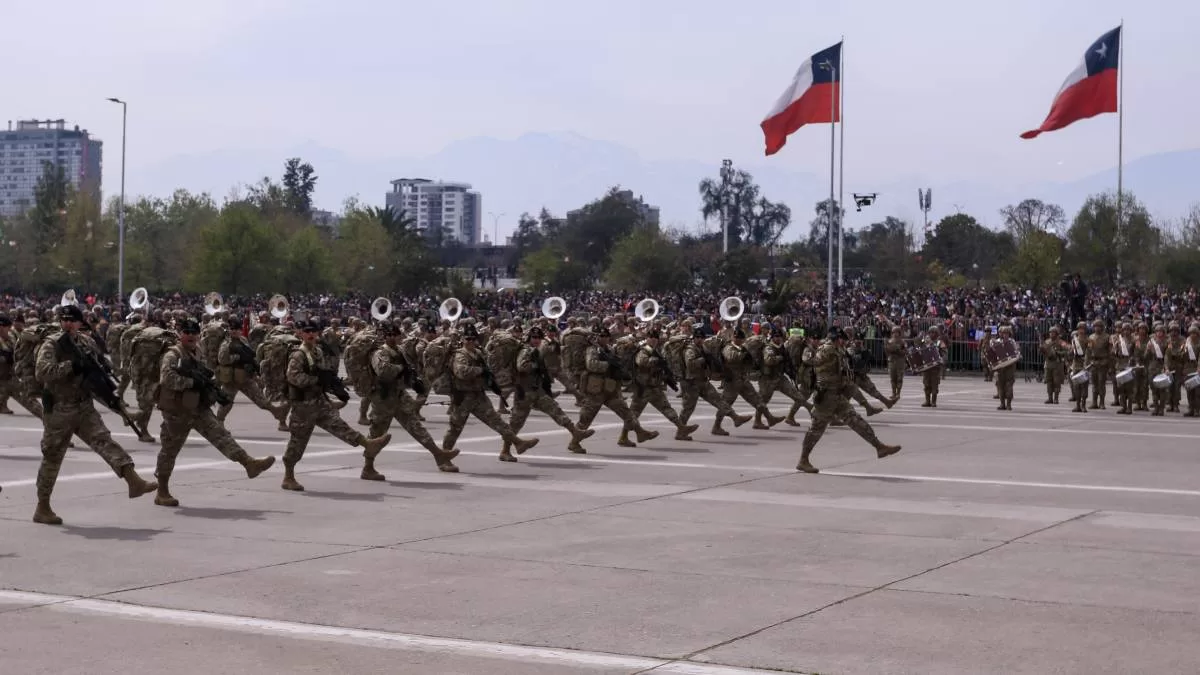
{"x":646,"y":310}
{"x":450,"y":310}
{"x":139,"y":299}
{"x":554,"y":307}
{"x":381,"y":309}
{"x":213,"y":303}
{"x":278,"y":306}
{"x":68,"y":299}
{"x":732,"y":309}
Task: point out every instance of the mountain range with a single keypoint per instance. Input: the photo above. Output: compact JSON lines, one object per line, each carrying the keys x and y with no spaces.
{"x":562,"y":171}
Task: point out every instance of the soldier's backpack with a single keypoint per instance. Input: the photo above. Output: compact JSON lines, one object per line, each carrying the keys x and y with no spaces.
{"x":357,"y":357}
{"x":273,"y":356}
{"x":756,"y":345}
{"x":113,"y":340}
{"x":210,"y":343}
{"x":147,"y":351}
{"x":435,"y":363}
{"x":574,"y":349}
{"x":672,"y":350}
{"x":25,"y":351}
{"x":501,"y":356}
{"x":625,"y":347}
{"x":712,"y":347}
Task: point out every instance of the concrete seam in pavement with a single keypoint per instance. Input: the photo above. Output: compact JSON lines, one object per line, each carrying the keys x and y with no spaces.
{"x":1053,"y":603}
{"x":910,"y":577}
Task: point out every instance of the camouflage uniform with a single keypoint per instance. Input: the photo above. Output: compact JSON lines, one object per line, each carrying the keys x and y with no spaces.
{"x":651,"y":389}
{"x":126,"y":351}
{"x":389,"y":401}
{"x":234,"y":378}
{"x":1054,"y":350}
{"x":1080,"y":357}
{"x":10,"y":387}
{"x":931,"y":378}
{"x":735,"y":382}
{"x":1176,"y":363}
{"x":311,"y":409}
{"x":1100,"y":347}
{"x":1156,"y":363}
{"x":1006,"y":376}
{"x":143,"y":364}
{"x":601,"y":388}
{"x":897,"y":361}
{"x":1191,"y":350}
{"x":531,"y":396}
{"x":773,"y":378}
{"x":183,"y":409}
{"x":695,"y":385}
{"x":72,"y":413}
{"x":467,"y":397}
{"x":832,"y":402}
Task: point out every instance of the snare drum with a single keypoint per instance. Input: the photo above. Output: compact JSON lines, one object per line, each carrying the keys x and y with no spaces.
{"x":1161,"y":381}
{"x":1192,"y":382}
{"x":1081,"y":377}
{"x":1125,"y":377}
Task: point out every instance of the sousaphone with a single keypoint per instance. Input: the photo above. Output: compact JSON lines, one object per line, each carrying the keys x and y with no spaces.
{"x":554,"y":307}
{"x":450,"y":310}
{"x":68,"y":299}
{"x":139,"y":299}
{"x":278,"y":306}
{"x":646,"y":310}
{"x":213,"y":303}
{"x":732,"y":309}
{"x":381,"y":309}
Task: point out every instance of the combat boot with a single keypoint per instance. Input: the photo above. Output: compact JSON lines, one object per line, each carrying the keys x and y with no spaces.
{"x":576,"y":448}
{"x":44,"y":514}
{"x":790,"y":420}
{"x":579,"y":435}
{"x":872,"y":411}
{"x":164,"y":498}
{"x":772,"y":419}
{"x":758,"y":423}
{"x":804,"y":465}
{"x":255,"y":466}
{"x":928,"y":403}
{"x":523,"y":444}
{"x":369,"y":472}
{"x":137,"y":486}
{"x":717,"y":430}
{"x":891,"y":402}
{"x":683,"y":432}
{"x":623,"y":440}
{"x":739,"y":420}
{"x":289,"y":479}
{"x":884,"y":450}
{"x":373,"y":446}
{"x":933,"y":399}
{"x":644,"y":435}
{"x":506,"y":454}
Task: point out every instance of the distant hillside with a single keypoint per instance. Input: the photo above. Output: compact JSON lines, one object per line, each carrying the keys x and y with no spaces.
{"x":563,"y":171}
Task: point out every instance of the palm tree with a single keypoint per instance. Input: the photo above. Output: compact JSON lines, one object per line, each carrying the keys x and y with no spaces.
{"x":397,"y":224}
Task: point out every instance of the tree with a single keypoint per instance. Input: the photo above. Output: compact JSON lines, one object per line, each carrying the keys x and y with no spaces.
{"x":1031,"y":216}
{"x":818,"y":230}
{"x":751,"y":218}
{"x":363,"y":253}
{"x":237,"y":254}
{"x":553,"y":270}
{"x":51,"y":194}
{"x":589,"y":235}
{"x":299,"y":183}
{"x":308,"y":266}
{"x":884,"y":250}
{"x":766,"y":222}
{"x":962,"y":245}
{"x":1100,"y":248}
{"x":646,"y":260}
{"x":1036,"y":262}
{"x":87,"y":257}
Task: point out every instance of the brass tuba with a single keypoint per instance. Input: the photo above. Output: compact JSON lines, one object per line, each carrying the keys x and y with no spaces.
{"x":451,"y":309}
{"x":381,"y":309}
{"x":213,"y":303}
{"x":139,"y":299}
{"x":646,"y":310}
{"x":68,"y":299}
{"x":278,"y":306}
{"x":554,"y":307}
{"x":732,"y":308}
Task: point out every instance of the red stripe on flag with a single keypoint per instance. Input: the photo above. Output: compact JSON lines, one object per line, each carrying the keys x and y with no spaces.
{"x":1089,"y":97}
{"x":813,"y":107}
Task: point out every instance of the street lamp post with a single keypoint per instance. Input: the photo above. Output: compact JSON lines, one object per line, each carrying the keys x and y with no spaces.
{"x":496,"y":226}
{"x":726,"y":176}
{"x":121,"y":210}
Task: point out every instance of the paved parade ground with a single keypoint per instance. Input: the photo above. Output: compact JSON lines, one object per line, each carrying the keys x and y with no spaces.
{"x":1031,"y":541}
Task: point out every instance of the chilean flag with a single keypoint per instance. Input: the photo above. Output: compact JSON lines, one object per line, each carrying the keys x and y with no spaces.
{"x":1090,"y":89}
{"x":811,"y":98}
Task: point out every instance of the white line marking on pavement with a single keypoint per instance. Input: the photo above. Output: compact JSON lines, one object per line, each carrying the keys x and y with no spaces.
{"x":1018,"y":483}
{"x":371,"y":638}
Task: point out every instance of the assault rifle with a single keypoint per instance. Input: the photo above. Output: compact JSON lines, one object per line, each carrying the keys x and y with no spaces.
{"x":98,"y":381}
{"x":332,"y":384}
{"x":615,"y":368}
{"x":245,"y":356}
{"x":789,"y":368}
{"x":543,"y":373}
{"x":210,"y":391}
{"x":667,"y":376}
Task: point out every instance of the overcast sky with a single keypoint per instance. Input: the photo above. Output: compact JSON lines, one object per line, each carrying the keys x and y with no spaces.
{"x":934,"y":87}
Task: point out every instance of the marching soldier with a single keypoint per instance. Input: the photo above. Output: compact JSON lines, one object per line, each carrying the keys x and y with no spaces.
{"x":1176,"y":364}
{"x":832,"y":401}
{"x":70,"y":411}
{"x":697,"y":385}
{"x":1141,"y":342}
{"x":601,"y":387}
{"x":777,"y":373}
{"x":931,"y":378}
{"x":469,"y":374}
{"x":8,"y":381}
{"x":1055,"y":352}
{"x":1190,"y":352}
{"x":137,"y":324}
{"x":236,"y":367}
{"x":311,"y":408}
{"x":1121,"y":350}
{"x":860,"y":369}
{"x":1100,"y":348}
{"x":988,"y":373}
{"x":1006,"y":377}
{"x":1156,"y":363}
{"x":532,"y":387}
{"x":1080,"y":359}
{"x":651,"y":376}
{"x":735,"y":382}
{"x":390,"y":401}
{"x":501,"y":354}
{"x":186,"y":405}
{"x":551,"y":350}
{"x":897,"y":360}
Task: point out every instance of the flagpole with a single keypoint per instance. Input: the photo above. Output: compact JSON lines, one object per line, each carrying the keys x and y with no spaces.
{"x":833,"y":101}
{"x":1120,"y":118}
{"x":841,"y":81}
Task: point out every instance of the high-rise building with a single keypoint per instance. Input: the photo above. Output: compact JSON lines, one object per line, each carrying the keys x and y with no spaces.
{"x":443,"y":211}
{"x":24,"y":150}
